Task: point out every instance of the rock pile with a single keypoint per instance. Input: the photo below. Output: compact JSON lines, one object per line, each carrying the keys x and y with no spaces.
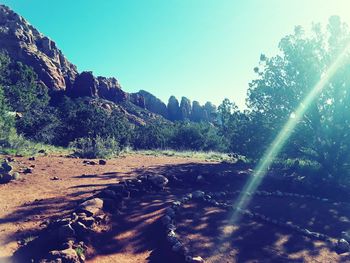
{"x":69,"y":234}
{"x":6,"y":172}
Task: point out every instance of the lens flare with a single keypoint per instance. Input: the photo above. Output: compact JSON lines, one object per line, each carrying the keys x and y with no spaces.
{"x":260,"y":171}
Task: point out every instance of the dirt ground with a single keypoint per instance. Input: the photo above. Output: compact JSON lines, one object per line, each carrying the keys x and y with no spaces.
{"x":26,"y":203}
{"x":135,"y":234}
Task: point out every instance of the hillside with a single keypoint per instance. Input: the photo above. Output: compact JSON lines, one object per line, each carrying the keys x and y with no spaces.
{"x":24,"y":43}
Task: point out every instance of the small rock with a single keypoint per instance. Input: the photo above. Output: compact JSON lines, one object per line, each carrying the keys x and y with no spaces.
{"x":158,"y":180}
{"x":343,"y":246}
{"x":197,"y":259}
{"x":31,"y":158}
{"x":346,"y":235}
{"x":42,"y":151}
{"x":55,"y":178}
{"x":67,"y":255}
{"x":91,"y":207}
{"x":102,"y":162}
{"x":80,"y":229}
{"x":198,"y":194}
{"x":16,"y":176}
{"x":28,"y":170}
{"x":6,"y":167}
{"x":110,"y":194}
{"x":170,"y":212}
{"x":118,"y":188}
{"x":177,"y":247}
{"x":5,"y":178}
{"x":65,"y":232}
{"x":88,"y":221}
{"x":166,"y":220}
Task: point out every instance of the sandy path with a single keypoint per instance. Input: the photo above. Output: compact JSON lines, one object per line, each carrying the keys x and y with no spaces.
{"x":27,"y":203}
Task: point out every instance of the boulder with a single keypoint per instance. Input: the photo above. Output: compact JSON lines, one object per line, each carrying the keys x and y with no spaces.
{"x":91,"y":207}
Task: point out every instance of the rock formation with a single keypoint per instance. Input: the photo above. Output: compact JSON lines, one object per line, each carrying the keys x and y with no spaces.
{"x":24,"y":43}
{"x":173,"y":109}
{"x":153,"y":104}
{"x":185,"y":108}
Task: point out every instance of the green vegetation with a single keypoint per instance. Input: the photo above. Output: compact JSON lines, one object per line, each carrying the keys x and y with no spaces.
{"x":95,"y":147}
{"x":208,"y":156}
{"x":29,"y":118}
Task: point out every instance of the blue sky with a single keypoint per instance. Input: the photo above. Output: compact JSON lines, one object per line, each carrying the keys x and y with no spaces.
{"x":201,"y":49}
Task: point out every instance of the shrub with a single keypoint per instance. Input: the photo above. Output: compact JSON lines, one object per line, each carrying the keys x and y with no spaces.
{"x":97,"y":147}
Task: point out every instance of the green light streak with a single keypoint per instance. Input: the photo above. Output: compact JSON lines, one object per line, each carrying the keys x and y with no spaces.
{"x":275,"y":148}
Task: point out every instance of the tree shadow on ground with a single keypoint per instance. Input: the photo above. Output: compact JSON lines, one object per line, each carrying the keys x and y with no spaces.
{"x":136,"y":229}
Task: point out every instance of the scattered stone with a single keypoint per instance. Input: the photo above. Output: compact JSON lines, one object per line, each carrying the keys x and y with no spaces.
{"x":55,"y":178}
{"x":65,"y":232}
{"x":31,"y":158}
{"x":91,"y":207}
{"x":110,"y":194}
{"x":88,"y":221}
{"x":198,"y":194}
{"x":197,"y":259}
{"x":6,"y":167}
{"x":10,"y":159}
{"x":177,"y":247}
{"x":5,"y":178}
{"x":170,"y":212}
{"x":42,"y":151}
{"x":346,"y":235}
{"x":16,"y":176}
{"x":118,"y":188}
{"x":68,"y":255}
{"x":80,"y":229}
{"x":28,"y":170}
{"x":158,"y":180}
{"x":102,"y":162}
{"x":166,"y":220}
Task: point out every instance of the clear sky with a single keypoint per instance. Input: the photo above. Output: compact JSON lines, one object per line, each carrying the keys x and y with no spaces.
{"x":201,"y":49}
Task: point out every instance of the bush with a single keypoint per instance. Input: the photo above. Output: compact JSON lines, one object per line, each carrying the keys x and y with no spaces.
{"x":97,"y":147}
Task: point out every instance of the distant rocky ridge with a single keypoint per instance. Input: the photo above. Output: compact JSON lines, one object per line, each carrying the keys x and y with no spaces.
{"x":26,"y":44}
{"x":176,"y":111}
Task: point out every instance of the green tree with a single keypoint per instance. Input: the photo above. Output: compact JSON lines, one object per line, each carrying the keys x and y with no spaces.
{"x":6,"y":121}
{"x":284,"y":80}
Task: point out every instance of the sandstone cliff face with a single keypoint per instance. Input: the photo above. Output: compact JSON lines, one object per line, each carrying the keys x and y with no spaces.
{"x":185,"y":108}
{"x":24,"y":43}
{"x":153,"y":104}
{"x":173,"y":109}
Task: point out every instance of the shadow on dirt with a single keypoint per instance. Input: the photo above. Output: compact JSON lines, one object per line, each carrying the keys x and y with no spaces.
{"x":136,"y":228}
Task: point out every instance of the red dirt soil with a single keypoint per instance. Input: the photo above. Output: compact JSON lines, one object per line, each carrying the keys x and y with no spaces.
{"x":135,"y":234}
{"x":26,"y":203}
